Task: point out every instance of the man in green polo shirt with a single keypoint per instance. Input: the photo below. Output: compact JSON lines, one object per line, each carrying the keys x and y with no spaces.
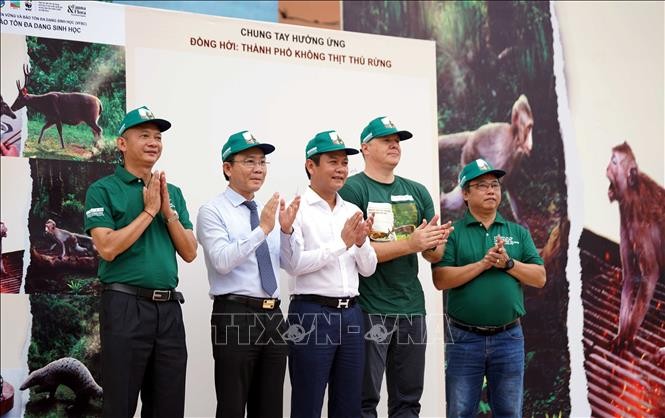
{"x":138,"y":222}
{"x":486,"y":263}
{"x":392,"y":298}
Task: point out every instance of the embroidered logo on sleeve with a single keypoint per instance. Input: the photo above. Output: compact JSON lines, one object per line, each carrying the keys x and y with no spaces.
{"x":95,"y":212}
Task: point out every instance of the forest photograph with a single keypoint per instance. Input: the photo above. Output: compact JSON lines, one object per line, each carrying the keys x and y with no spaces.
{"x":64,"y":357}
{"x":497,"y":101}
{"x":75,"y":97}
{"x":63,"y":259}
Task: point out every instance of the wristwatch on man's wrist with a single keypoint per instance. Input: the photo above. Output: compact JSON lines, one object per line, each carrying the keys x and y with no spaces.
{"x":510,"y":263}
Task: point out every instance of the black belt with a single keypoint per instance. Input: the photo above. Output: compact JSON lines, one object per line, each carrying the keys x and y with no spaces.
{"x":489,"y":330}
{"x":258,"y":303}
{"x":155,"y":295}
{"x":345,"y":303}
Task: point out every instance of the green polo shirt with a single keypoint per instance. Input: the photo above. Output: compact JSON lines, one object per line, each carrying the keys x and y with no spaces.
{"x":114,"y":202}
{"x":400,"y":207}
{"x":494,"y":297}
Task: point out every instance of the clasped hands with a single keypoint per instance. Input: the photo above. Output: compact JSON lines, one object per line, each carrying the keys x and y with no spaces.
{"x":497,"y":256}
{"x":156,"y":196}
{"x":429,"y":235}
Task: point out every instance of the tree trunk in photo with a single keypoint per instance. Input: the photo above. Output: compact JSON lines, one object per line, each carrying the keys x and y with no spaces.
{"x":80,"y":264}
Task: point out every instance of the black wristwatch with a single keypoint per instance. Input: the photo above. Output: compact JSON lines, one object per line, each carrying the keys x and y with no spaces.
{"x":510,"y":263}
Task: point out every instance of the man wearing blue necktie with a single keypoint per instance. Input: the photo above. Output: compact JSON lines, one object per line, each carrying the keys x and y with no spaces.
{"x":241,"y":249}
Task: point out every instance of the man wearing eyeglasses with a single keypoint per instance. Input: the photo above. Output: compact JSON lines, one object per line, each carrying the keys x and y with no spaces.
{"x":486,"y":263}
{"x":241,"y":248}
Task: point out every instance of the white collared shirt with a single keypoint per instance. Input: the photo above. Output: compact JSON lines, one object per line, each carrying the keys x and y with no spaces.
{"x":315,"y":253}
{"x":229,"y":245}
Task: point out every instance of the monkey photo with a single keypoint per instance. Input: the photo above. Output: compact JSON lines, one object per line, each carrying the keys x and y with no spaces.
{"x":503,"y":145}
{"x":72,"y":244}
{"x":642,"y":236}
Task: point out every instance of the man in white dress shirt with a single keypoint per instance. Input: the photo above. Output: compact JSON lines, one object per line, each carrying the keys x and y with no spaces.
{"x":241,"y":252}
{"x":325,"y":252}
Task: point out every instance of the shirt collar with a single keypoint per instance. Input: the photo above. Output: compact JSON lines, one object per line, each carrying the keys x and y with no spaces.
{"x":469,"y":219}
{"x":312,"y":198}
{"x":125,"y":175}
{"x":234,"y":197}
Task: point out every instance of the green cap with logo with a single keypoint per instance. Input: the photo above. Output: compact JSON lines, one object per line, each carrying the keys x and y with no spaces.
{"x":476,"y":169}
{"x":241,"y":141}
{"x":382,"y":126}
{"x":327,"y":141}
{"x":139,"y":116}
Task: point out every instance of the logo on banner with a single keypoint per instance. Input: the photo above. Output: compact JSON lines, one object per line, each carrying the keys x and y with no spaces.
{"x":76,"y":10}
{"x":2,"y":3}
{"x":15,"y":4}
{"x":28,"y":5}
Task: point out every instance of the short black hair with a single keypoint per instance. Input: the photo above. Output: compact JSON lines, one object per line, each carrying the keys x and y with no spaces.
{"x":228,"y":160}
{"x":317,"y":160}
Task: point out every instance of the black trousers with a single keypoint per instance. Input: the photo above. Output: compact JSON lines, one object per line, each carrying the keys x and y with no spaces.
{"x":250,"y":360}
{"x":143,"y":350}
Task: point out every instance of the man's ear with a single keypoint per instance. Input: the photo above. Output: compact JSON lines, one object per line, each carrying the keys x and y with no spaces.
{"x":226,"y":168}
{"x":309,"y":166}
{"x":121,"y":143}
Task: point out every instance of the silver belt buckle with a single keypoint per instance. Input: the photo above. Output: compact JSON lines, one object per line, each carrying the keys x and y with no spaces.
{"x":343,"y":303}
{"x":161,"y":295}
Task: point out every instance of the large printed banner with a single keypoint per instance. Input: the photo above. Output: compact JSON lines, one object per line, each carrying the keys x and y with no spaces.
{"x":469,"y":79}
{"x":595,"y":335}
{"x":64,"y":93}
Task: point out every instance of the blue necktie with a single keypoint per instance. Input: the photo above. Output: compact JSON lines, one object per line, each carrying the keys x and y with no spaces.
{"x":268,"y":281}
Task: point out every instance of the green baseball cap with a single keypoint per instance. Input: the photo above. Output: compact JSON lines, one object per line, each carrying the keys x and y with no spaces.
{"x":382,"y":126}
{"x":241,"y":141}
{"x":139,"y":116}
{"x":327,"y":141}
{"x":476,"y":169}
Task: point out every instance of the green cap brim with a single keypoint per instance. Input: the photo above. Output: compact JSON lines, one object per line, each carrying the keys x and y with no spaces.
{"x":266,"y":148}
{"x":403,"y":135}
{"x":498,"y":173}
{"x":162,"y":125}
